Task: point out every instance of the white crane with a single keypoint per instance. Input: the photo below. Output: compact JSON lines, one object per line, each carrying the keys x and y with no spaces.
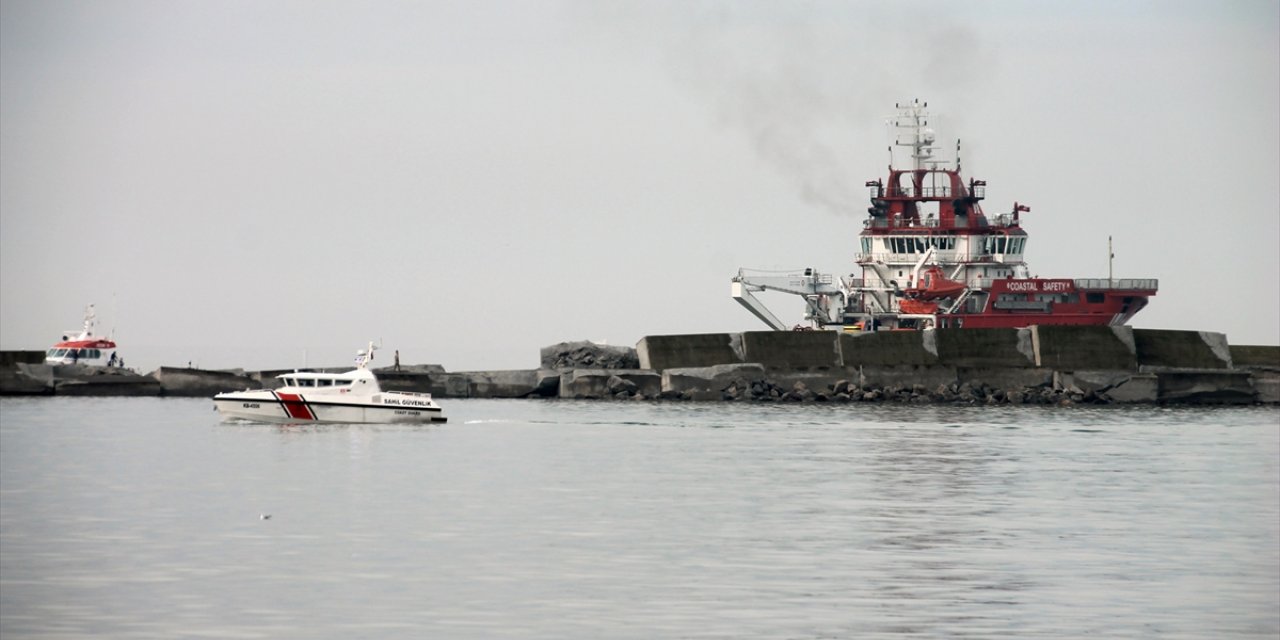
{"x":824,"y":299}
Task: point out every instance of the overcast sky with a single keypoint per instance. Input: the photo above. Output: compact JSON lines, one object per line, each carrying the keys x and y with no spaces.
{"x":261,"y":183}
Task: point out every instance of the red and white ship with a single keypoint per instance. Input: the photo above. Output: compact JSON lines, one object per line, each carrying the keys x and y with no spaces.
{"x":84,"y":346}
{"x":930,"y":258}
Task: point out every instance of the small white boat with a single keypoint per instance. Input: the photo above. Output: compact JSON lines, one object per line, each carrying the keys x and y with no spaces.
{"x":313,"y":397}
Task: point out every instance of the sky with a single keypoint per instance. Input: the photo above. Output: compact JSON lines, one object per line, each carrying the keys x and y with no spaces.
{"x":266,"y":184}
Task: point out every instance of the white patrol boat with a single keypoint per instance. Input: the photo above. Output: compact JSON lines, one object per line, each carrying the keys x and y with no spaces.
{"x":84,"y":346}
{"x":351,"y":397}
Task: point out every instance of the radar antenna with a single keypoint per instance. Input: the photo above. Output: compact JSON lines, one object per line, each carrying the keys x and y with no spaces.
{"x":912,"y":130}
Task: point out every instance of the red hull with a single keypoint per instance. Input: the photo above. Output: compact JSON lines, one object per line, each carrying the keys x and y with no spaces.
{"x":1099,"y":307}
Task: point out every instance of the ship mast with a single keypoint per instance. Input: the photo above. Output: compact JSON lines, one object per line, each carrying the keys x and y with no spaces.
{"x":912,"y":125}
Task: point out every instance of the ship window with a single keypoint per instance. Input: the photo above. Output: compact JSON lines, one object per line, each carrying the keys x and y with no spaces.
{"x":866,"y":245}
{"x":1094,"y":298}
{"x":306,"y":382}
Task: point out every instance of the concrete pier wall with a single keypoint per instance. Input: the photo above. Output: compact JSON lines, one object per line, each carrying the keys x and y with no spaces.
{"x":792,"y":350}
{"x":886,"y":349}
{"x":1071,"y":348}
{"x":1037,"y":364}
{"x":660,"y":353}
{"x":1181,"y":349}
{"x":1113,"y":364}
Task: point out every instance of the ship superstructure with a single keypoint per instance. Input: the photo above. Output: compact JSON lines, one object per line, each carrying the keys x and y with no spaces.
{"x":930,"y":258}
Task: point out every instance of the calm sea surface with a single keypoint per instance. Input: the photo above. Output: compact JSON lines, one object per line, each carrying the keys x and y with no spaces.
{"x":141,"y":518}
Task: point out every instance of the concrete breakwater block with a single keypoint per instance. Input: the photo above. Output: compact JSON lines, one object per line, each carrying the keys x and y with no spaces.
{"x":1137,"y":388}
{"x":708,"y":383}
{"x":588,"y":384}
{"x":660,"y":353}
{"x":530,"y":383}
{"x":1009,"y":379}
{"x":442,"y":384}
{"x":886,"y":376}
{"x":109,"y":386}
{"x":984,"y":347}
{"x":1267,"y":386}
{"x":886,"y":348}
{"x":1255,"y":356}
{"x":792,"y":350}
{"x":1209,"y":386}
{"x":176,"y":381}
{"x":83,"y":380}
{"x":10,"y":359}
{"x":1163,"y":348}
{"x":1068,"y":348}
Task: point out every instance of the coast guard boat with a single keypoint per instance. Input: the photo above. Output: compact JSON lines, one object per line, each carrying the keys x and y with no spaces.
{"x":314,"y":397}
{"x":84,"y":346}
{"x":930,"y":258}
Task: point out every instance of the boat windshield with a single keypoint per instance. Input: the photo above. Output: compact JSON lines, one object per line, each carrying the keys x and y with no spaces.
{"x":296,"y":381}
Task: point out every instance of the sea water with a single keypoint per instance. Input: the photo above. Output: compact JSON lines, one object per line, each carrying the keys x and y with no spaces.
{"x":148,"y":518}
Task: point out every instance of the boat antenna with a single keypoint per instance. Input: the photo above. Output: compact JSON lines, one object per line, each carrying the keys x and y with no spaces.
{"x":364,"y":356}
{"x":1111,"y":258}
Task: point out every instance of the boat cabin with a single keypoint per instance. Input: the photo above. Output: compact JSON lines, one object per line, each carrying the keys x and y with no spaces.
{"x":358,"y":381}
{"x":94,"y":353}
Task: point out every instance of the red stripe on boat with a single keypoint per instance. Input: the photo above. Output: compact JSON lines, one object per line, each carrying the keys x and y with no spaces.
{"x":295,"y":406}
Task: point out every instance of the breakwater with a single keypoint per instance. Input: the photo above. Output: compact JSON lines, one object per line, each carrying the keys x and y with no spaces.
{"x":1036,"y":365}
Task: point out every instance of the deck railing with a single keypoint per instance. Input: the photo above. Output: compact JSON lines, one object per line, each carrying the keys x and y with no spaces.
{"x":1119,"y":283}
